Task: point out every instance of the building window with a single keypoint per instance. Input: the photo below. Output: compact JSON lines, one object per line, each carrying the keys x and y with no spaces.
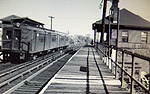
{"x":144,"y":37}
{"x":124,"y":36}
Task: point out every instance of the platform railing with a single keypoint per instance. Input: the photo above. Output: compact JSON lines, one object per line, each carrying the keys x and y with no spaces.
{"x":114,"y":66}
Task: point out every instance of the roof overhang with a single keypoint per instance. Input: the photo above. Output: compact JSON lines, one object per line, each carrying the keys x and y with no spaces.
{"x":99,"y":27}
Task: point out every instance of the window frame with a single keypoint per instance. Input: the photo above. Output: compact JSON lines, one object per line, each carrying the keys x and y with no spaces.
{"x":144,"y":38}
{"x":54,"y":38}
{"x":125,"y":37}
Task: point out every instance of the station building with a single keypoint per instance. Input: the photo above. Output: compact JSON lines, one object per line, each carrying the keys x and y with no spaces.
{"x":134,"y":35}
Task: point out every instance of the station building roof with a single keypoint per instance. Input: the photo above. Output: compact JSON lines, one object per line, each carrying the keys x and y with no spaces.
{"x":128,"y":20}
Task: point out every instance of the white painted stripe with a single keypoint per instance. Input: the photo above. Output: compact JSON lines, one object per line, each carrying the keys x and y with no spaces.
{"x":42,"y":91}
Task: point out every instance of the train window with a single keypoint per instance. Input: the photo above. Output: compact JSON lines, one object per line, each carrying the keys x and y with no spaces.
{"x":41,"y":37}
{"x":17,"y":34}
{"x":62,"y":38}
{"x":53,"y":38}
{"x":37,"y":34}
{"x":8,"y":34}
{"x":66,"y":38}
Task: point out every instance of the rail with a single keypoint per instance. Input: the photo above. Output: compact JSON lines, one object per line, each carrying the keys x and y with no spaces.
{"x":46,"y":63}
{"x":21,"y":66}
{"x":32,"y":76}
{"x":105,"y":50}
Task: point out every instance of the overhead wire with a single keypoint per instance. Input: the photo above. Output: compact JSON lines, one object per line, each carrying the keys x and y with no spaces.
{"x":75,"y":18}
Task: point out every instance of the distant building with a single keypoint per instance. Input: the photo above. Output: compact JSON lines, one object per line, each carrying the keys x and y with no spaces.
{"x":134,"y":35}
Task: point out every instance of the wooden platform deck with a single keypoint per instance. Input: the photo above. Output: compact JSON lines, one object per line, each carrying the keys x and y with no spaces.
{"x":85,"y":73}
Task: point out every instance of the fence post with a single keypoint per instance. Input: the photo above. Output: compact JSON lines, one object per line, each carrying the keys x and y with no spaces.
{"x":116,"y":67}
{"x":109,"y":60}
{"x":132,"y":75}
{"x":106,"y":55}
{"x":149,"y":77}
{"x":94,"y":36}
{"x":112,"y":62}
{"x":122,"y":72}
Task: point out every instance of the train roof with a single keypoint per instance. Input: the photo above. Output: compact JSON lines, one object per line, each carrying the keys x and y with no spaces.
{"x":27,"y":20}
{"x":9,"y":18}
{"x":61,"y":32}
{"x":20,"y":19}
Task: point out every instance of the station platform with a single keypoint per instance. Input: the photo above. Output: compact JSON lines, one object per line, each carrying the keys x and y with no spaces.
{"x":85,"y":73}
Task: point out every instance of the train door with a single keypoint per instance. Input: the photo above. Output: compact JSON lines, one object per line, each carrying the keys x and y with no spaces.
{"x":17,"y":39}
{"x":35,"y":40}
{"x":64,"y":40}
{"x":49,"y":38}
{"x":58,"y":40}
{"x":7,"y":38}
{"x":53,"y":40}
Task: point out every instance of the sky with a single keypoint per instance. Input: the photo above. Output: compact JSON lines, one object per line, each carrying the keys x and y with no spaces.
{"x":73,"y":16}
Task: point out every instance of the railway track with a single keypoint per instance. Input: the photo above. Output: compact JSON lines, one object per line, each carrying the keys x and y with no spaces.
{"x":16,"y":67}
{"x":22,"y":78}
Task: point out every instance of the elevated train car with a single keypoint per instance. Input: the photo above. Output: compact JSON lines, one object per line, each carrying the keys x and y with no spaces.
{"x":24,"y":38}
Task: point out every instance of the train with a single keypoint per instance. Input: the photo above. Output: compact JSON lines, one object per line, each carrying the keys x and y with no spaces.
{"x":24,"y":38}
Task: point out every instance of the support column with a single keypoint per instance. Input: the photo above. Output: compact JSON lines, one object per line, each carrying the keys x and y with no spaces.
{"x":109,"y":42}
{"x":118,"y":23}
{"x":94,"y":36}
{"x":149,"y":78}
{"x":122,"y":72}
{"x":132,"y":75}
{"x":103,"y":21}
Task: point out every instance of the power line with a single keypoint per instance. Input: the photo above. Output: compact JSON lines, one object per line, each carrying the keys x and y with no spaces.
{"x":76,"y":18}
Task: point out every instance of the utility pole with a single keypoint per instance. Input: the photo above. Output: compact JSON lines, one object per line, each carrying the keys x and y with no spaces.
{"x":103,"y":21}
{"x":51,"y":17}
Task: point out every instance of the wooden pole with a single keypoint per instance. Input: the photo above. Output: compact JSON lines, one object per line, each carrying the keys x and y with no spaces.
{"x":149,"y":78}
{"x":117,"y":40}
{"x":122,"y":72}
{"x":103,"y":21}
{"x":132,"y":75}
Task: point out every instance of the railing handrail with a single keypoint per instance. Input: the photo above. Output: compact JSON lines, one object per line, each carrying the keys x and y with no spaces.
{"x":130,"y":53}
